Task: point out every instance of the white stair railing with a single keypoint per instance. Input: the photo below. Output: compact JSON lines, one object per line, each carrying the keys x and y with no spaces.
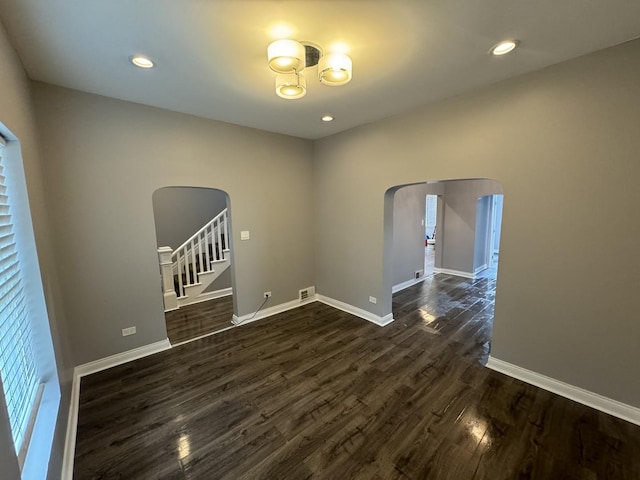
{"x":198,"y":252}
{"x":197,"y":255}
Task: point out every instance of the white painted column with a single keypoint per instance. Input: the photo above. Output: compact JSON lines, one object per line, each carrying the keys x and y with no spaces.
{"x":166,"y":270}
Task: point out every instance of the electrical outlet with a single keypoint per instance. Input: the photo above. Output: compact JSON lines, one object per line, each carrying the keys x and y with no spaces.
{"x":267,"y":294}
{"x":128,"y":331}
{"x":373,"y":299}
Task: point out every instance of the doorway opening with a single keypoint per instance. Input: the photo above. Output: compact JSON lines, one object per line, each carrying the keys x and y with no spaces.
{"x":465,"y":217}
{"x":193,"y":233}
{"x":496,"y":228}
{"x":430,"y":233}
{"x":447,"y":226}
{"x":488,"y":227}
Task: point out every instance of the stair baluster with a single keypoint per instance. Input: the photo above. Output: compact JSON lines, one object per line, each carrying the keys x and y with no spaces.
{"x":194,"y":259}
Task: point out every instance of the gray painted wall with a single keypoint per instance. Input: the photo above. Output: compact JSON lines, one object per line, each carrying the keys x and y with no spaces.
{"x":220,"y":283}
{"x":460,"y":219}
{"x":179,"y":212}
{"x":106,"y":157}
{"x":569,"y":130}
{"x":17,"y":114}
{"x":408,"y":232}
{"x":409,"y":206}
{"x":458,"y":229}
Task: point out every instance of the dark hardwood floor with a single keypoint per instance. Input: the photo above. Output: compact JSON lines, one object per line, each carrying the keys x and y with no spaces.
{"x":199,"y":319}
{"x":318,"y":393}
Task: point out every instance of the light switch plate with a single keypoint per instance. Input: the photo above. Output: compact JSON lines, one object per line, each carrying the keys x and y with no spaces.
{"x":244,"y":235}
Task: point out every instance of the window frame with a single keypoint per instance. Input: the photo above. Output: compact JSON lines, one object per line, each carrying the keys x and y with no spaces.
{"x":39,"y":447}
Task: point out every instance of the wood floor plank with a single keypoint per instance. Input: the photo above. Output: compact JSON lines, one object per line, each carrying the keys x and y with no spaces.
{"x":193,"y":321}
{"x":317,"y":393}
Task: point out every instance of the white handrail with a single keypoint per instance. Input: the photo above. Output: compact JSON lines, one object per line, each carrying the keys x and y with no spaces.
{"x":223,"y":213}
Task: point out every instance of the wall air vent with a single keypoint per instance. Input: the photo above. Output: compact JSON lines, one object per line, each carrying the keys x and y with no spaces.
{"x":306,"y":293}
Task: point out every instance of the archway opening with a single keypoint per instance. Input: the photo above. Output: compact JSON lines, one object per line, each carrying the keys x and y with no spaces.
{"x":463,"y":254}
{"x":193,"y":235}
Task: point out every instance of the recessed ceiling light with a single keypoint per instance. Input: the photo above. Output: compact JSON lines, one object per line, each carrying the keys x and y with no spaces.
{"x":142,"y":62}
{"x":327,"y":118}
{"x":504,"y":47}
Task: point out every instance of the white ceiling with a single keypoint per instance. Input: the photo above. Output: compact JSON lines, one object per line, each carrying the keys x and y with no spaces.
{"x":211,"y":54}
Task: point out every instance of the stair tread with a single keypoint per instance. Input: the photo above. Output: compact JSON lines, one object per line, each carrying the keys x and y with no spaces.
{"x":220,"y":261}
{"x":197,"y":262}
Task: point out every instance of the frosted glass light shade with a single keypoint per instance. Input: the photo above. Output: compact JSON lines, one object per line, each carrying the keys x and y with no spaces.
{"x":335,"y":69}
{"x":291,"y":86}
{"x":286,"y":56}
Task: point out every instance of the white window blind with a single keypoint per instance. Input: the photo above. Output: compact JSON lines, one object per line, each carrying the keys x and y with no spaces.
{"x":20,"y":378}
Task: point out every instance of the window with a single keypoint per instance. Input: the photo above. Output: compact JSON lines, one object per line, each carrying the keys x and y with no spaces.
{"x":20,"y":377}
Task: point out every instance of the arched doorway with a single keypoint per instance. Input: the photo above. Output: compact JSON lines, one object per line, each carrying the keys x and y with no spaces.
{"x":464,"y":261}
{"x":193,"y":233}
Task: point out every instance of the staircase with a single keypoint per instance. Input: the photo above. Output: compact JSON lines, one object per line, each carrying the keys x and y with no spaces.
{"x":188,"y":270}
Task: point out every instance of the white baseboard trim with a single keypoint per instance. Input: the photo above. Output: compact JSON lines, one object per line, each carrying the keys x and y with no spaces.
{"x":120,"y":358}
{"x":206,"y":296}
{"x":358,"y":312}
{"x":480,"y":269}
{"x":585,"y":397}
{"x":210,"y":334}
{"x":87,"y":369}
{"x":268,"y":312}
{"x":407,"y":284}
{"x":283,"y":307}
{"x":458,"y":273}
{"x":203,"y":297}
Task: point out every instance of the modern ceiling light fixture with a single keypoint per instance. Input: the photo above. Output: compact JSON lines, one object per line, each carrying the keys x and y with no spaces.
{"x":327,"y":118}
{"x":291,"y":85}
{"x":504,"y":47}
{"x":286,"y":56}
{"x":289,"y":58}
{"x":334,"y":69}
{"x":141,"y":61}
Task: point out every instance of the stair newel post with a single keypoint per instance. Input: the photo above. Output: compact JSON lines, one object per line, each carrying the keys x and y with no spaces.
{"x":166,"y":270}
